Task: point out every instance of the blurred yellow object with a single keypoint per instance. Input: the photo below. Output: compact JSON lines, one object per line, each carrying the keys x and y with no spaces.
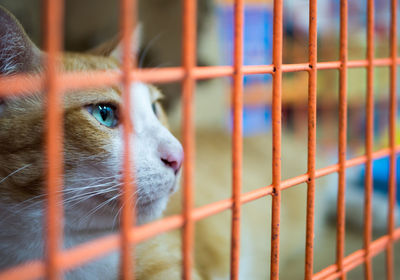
{"x":384,"y":140}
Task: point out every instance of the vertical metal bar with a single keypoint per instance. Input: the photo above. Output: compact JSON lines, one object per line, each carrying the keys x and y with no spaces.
{"x":127,"y":192}
{"x":369,"y":140}
{"x":188,"y":87}
{"x":342,"y":139}
{"x":312,"y":134}
{"x":276,"y":136}
{"x":392,"y":139}
{"x":54,"y":154}
{"x":237,"y":147}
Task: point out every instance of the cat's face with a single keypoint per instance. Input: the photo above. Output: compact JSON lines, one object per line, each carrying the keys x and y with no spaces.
{"x":94,"y":151}
{"x":93,"y":145}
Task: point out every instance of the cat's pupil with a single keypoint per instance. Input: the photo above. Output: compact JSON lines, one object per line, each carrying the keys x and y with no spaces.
{"x":103,"y":112}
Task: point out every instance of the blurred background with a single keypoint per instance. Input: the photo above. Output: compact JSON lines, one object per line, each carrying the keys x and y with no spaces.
{"x":91,"y":22}
{"x":257,"y":108}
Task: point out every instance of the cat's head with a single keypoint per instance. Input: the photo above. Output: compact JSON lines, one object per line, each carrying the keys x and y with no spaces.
{"x":93,"y":145}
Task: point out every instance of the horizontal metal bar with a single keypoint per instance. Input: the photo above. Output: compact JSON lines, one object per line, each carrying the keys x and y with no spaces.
{"x":28,"y":83}
{"x":356,"y":258}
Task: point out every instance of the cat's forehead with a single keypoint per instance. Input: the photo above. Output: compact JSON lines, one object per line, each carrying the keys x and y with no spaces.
{"x":86,"y":62}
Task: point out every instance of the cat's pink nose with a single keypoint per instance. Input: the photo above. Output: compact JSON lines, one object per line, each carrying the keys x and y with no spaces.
{"x":173,"y":158}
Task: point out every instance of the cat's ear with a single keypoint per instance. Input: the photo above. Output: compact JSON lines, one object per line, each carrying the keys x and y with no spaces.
{"x":17,"y":52}
{"x":114,"y":48}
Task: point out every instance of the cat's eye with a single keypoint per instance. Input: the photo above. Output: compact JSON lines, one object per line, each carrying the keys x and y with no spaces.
{"x":106,"y":114}
{"x":154,"y":108}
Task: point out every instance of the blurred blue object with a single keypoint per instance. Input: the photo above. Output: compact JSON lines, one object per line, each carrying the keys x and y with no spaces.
{"x":257,"y":51}
{"x":256,"y":120}
{"x":380,"y":175}
{"x":257,"y":37}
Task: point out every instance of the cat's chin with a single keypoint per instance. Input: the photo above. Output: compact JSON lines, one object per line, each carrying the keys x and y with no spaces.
{"x":148,"y":211}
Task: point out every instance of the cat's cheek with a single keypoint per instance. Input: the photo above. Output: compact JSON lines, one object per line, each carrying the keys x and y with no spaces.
{"x":116,"y":153}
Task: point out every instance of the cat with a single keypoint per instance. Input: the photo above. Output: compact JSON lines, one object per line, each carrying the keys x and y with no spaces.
{"x":92,"y":156}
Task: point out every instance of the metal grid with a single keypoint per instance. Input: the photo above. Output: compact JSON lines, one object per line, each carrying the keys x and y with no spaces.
{"x":55,"y":83}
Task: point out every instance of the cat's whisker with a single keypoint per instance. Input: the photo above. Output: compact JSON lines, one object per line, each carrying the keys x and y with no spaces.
{"x":76,"y":196}
{"x":113,"y":187}
{"x":16,"y":210}
{"x":114,"y":220}
{"x":98,"y":207}
{"x":94,"y":184}
{"x":93,"y":178}
{"x":14,"y":172}
{"x":91,"y":186}
{"x":80,"y":189}
{"x":18,"y":205}
{"x":117,"y":215}
{"x":87,"y":195}
{"x":21,"y":205}
{"x":147,"y":48}
{"x":27,"y":204}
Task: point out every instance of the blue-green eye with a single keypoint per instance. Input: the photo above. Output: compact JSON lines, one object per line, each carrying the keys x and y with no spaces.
{"x":154,"y":108}
{"x":106,"y":114}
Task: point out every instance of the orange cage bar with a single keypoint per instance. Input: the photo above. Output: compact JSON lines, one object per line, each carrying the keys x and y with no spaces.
{"x":237,"y":146}
{"x":340,"y":227}
{"x":52,"y":24}
{"x":55,"y":83}
{"x":276,"y":135}
{"x":312,"y":125}
{"x":128,"y":189}
{"x":188,"y":87}
{"x":369,"y":140}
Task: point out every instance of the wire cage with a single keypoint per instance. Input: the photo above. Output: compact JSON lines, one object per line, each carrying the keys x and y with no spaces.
{"x":55,"y":83}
